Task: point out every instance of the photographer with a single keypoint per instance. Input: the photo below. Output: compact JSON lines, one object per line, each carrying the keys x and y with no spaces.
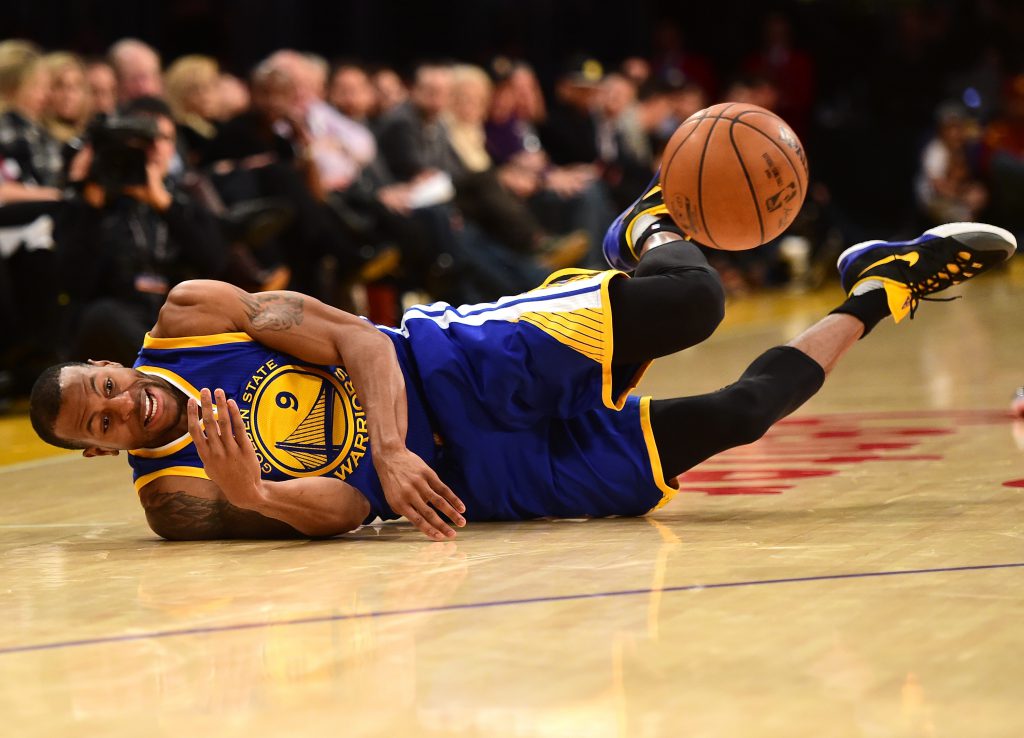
{"x":136,"y":236}
{"x":125,"y":235}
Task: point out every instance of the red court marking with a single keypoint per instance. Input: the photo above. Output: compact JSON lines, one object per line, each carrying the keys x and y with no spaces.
{"x":804,"y":445}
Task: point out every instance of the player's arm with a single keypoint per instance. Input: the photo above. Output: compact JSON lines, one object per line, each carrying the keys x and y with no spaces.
{"x":320,"y":334}
{"x":190,"y":509}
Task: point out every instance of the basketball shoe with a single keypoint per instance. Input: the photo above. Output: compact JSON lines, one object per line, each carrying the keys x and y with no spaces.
{"x":624,"y":238}
{"x":909,"y":271}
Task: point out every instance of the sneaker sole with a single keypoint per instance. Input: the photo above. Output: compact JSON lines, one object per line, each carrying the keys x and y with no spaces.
{"x":978,"y":236}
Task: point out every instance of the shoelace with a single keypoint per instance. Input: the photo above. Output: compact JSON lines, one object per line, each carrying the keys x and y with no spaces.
{"x":962,"y":268}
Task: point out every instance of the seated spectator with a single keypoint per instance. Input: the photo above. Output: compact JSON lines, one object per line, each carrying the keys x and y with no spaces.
{"x":102,"y":82}
{"x":790,"y":70}
{"x":947,"y":190}
{"x":677,"y":63}
{"x":564,"y":198}
{"x":70,"y":104}
{"x":31,"y":164}
{"x":569,"y":135}
{"x":416,"y":141}
{"x":192,"y":94}
{"x":137,"y":66}
{"x":265,"y":153}
{"x":1003,"y":157}
{"x":623,"y":145}
{"x":122,"y":249}
{"x":391,"y":90}
{"x":340,"y":147}
{"x":352,"y":93}
{"x":232,"y":97}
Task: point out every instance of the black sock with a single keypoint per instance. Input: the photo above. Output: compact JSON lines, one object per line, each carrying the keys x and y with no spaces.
{"x":868,"y":307}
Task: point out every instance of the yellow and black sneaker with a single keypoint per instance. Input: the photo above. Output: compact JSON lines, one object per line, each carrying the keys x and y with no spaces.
{"x":645,"y":217}
{"x":909,"y":271}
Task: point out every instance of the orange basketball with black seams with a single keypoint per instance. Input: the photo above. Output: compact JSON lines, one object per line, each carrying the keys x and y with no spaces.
{"x":734,"y":176}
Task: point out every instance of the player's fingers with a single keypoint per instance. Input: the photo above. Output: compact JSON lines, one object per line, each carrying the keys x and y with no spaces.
{"x":194,"y":430}
{"x":446,"y":509}
{"x":408,"y":510}
{"x":223,"y":415}
{"x":209,"y":422}
{"x":238,"y":425}
{"x":442,"y":489}
{"x":430,"y":522}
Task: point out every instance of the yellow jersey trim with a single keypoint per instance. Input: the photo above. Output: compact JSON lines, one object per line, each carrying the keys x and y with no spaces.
{"x":667,"y":491}
{"x":183,"y":440}
{"x":171,"y":471}
{"x":619,"y":400}
{"x":215,"y":339}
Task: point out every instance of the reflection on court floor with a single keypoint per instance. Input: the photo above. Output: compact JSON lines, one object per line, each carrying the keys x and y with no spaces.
{"x":857,"y":572}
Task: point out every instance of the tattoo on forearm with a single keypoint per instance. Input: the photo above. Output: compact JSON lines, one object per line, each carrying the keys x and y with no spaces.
{"x":177,"y":516}
{"x":273,"y":312}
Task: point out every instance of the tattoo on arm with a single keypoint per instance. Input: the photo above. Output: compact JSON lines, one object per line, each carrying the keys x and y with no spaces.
{"x":273,"y":312}
{"x":177,"y":516}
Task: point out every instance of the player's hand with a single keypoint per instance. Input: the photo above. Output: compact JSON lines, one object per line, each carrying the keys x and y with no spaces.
{"x":414,"y":490}
{"x":226,"y":451}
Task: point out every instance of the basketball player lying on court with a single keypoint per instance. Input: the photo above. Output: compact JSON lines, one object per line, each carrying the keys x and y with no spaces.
{"x":319,"y":421}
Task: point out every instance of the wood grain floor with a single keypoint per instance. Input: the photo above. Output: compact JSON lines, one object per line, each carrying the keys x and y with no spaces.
{"x":858,"y":572}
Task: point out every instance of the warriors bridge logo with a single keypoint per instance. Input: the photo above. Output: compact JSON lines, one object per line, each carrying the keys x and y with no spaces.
{"x":304,"y":422}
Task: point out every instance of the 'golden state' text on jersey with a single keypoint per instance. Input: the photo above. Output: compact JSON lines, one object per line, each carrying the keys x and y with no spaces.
{"x":515,"y":404}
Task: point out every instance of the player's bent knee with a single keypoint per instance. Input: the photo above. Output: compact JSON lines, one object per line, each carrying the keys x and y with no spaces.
{"x":706,"y":300}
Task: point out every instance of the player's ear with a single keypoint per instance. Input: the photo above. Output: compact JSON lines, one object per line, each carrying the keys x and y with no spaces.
{"x":104,"y":362}
{"x":97,"y":451}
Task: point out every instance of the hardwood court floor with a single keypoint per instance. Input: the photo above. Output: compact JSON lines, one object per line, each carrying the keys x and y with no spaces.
{"x":858,"y":572}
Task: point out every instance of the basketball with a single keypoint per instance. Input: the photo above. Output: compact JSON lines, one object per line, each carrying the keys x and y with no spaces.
{"x":734,"y":176}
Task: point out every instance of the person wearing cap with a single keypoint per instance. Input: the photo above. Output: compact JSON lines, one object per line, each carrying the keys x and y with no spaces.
{"x":570,"y":135}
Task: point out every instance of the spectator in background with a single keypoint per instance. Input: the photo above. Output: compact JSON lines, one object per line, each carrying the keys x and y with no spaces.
{"x":637,"y":70}
{"x":232,"y":97}
{"x":121,"y":251}
{"x":947,"y":188}
{"x":788,"y":69}
{"x":137,"y":66}
{"x":351,"y":92}
{"x":192,"y":84}
{"x":622,"y":143}
{"x":569,"y":134}
{"x":340,"y":147}
{"x":265,"y":153}
{"x":102,"y":86}
{"x":1003,"y":157}
{"x":676,"y":64}
{"x":30,"y":175}
{"x":31,"y":165}
{"x":566,"y":198}
{"x":391,"y":90}
{"x":70,"y":105}
{"x":754,"y":90}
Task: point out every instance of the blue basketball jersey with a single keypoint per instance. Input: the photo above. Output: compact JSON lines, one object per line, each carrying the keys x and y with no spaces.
{"x":304,"y":420}
{"x":514,"y":403}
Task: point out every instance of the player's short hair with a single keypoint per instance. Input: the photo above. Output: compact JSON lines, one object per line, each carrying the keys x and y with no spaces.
{"x":44,"y":405}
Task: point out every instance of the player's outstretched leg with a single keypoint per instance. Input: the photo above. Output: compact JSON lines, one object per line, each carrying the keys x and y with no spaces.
{"x":881,"y":278}
{"x":675,"y":299}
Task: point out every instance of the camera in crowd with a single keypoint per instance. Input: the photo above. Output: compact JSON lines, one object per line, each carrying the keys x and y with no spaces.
{"x":120,"y":150}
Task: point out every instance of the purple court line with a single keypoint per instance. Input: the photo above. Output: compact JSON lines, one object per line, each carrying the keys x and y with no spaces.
{"x":478,"y":605}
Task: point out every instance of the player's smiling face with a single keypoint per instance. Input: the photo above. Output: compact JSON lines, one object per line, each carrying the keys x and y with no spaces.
{"x":107,"y":407}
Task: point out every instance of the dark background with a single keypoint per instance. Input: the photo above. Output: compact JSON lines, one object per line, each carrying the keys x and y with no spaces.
{"x":881,"y":67}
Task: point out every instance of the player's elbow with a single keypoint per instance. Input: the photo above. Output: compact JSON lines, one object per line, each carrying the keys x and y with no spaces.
{"x":171,"y":529}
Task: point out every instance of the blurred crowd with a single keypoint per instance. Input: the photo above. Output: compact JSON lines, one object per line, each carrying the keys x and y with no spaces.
{"x":366,"y":186}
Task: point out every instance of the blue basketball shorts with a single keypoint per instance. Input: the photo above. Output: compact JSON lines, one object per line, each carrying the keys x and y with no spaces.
{"x":534,"y":419}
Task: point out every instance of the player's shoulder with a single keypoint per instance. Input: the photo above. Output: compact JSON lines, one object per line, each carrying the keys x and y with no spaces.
{"x":197,"y":307}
